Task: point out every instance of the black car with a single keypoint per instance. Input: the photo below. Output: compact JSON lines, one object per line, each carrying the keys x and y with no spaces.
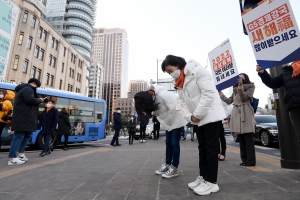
{"x":266,"y":130}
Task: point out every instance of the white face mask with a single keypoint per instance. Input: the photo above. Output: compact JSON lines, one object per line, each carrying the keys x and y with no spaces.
{"x":119,"y":111}
{"x":48,"y":105}
{"x":175,"y":74}
{"x":1,"y":96}
{"x":131,"y":118}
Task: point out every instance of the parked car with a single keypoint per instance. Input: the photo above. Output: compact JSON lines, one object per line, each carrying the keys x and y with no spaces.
{"x":149,"y":130}
{"x":266,"y":131}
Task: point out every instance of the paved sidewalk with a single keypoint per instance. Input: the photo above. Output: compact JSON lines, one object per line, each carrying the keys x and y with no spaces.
{"x":127,"y":172}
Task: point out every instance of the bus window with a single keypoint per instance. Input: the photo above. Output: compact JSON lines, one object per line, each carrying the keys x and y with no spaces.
{"x":62,"y":103}
{"x":82,"y":108}
{"x":99,"y":108}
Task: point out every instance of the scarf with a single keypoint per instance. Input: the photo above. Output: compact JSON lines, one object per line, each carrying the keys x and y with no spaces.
{"x":48,"y":109}
{"x":296,"y":68}
{"x":180,"y":80}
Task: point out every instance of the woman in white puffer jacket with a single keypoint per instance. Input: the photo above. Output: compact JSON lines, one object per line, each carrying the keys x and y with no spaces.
{"x":202,"y":106}
{"x":163,"y":102}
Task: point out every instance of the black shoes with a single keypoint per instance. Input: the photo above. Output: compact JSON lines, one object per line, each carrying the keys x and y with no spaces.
{"x":184,"y":138}
{"x":42,"y":154}
{"x":192,"y":140}
{"x":112,"y":145}
{"x":117,"y":145}
{"x":247,"y":165}
{"x":65,"y":149}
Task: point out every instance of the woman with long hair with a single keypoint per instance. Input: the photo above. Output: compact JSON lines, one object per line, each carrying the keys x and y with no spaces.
{"x":242,"y":118}
{"x":202,"y":107}
{"x":163,"y":102}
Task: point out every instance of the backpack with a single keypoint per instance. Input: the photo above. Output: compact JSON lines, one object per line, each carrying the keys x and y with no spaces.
{"x":254,"y":103}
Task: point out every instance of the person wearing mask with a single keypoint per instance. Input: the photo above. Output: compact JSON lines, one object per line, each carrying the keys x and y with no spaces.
{"x":6,"y":96}
{"x":48,"y":122}
{"x":117,"y":127}
{"x":156,"y":127}
{"x":131,"y":129}
{"x":64,"y":128}
{"x":144,"y":120}
{"x":163,"y":103}
{"x":202,"y":106}
{"x":242,"y":118}
{"x":24,"y":120}
{"x":290,"y":80}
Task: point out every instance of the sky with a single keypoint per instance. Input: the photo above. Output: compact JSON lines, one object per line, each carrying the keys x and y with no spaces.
{"x":185,"y":28}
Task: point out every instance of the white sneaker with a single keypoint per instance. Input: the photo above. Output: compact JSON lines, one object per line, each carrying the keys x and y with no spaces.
{"x":141,"y":141}
{"x":172,"y":172}
{"x":15,"y":162}
{"x":164,"y":168}
{"x":23,"y":158}
{"x":196,"y":183}
{"x":205,"y":188}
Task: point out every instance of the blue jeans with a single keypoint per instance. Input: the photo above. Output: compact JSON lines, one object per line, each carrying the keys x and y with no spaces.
{"x":173,"y":147}
{"x":46,"y":147}
{"x":18,"y":144}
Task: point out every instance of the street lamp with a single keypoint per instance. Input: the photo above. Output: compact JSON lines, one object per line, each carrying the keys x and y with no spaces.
{"x":157,"y":60}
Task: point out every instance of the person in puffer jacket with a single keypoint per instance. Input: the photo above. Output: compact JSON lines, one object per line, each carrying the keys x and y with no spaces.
{"x":163,"y":102}
{"x":202,"y":106}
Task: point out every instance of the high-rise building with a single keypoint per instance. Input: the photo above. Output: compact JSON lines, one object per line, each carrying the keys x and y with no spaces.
{"x":136,"y":86}
{"x":110,"y":49}
{"x":74,"y":19}
{"x":126,"y":105}
{"x":95,"y":80}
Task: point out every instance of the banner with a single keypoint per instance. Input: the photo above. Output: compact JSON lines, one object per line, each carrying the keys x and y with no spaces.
{"x":273,"y":33}
{"x":225,"y":72}
{"x":8,"y":19}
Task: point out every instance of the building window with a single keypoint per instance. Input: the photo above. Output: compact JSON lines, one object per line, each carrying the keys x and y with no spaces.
{"x":69,"y":87}
{"x":50,"y":59}
{"x":64,"y":51}
{"x":33,"y":70}
{"x":44,"y":36}
{"x":79,"y":63}
{"x":33,"y":22}
{"x":36,"y":51}
{"x":71,"y":73}
{"x":21,"y":38}
{"x":71,"y":57}
{"x":55,"y":45}
{"x":41,"y":56}
{"x":16,"y":62}
{"x":74,"y":59}
{"x":60,"y":84}
{"x":29,"y":42}
{"x":53,"y":62}
{"x":51,"y":81}
{"x":25,"y":66}
{"x":25,"y":16}
{"x":47,"y":79}
{"x":52,"y":42}
{"x":40,"y":32}
{"x":38,"y":74}
{"x":78,"y":77}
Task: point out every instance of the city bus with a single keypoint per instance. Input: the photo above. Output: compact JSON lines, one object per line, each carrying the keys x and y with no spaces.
{"x":87,"y":116}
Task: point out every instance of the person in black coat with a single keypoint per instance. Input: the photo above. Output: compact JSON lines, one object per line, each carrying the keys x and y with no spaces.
{"x":290,"y":80}
{"x":48,"y":123}
{"x":117,"y":127}
{"x":156,"y":127}
{"x":131,"y":129}
{"x":64,"y":128}
{"x":24,"y":120}
{"x":144,"y":120}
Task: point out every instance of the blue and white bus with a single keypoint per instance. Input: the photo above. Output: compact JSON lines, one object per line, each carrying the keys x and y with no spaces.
{"x":87,"y":116}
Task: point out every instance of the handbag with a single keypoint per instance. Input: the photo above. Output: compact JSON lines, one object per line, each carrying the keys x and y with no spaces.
{"x":7,"y":116}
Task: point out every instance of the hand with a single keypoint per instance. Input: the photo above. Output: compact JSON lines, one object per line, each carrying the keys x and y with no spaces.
{"x":194,"y":119}
{"x":42,"y":99}
{"x":240,"y":83}
{"x":221,"y":94}
{"x":258,"y":69}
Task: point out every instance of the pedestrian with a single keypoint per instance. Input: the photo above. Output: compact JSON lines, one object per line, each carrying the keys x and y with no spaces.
{"x":24,"y":120}
{"x":156,"y":127}
{"x":6,"y":97}
{"x":222,"y":152}
{"x":202,"y":107}
{"x":131,"y":129}
{"x":117,"y":127}
{"x":242,"y":118}
{"x":290,"y":80}
{"x":64,"y":128}
{"x":189,"y":127}
{"x":163,"y":103}
{"x":144,"y":120}
{"x":48,"y":122}
{"x":183,"y":133}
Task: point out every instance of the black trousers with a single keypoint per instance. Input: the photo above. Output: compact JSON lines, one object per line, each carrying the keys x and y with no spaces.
{"x":209,"y":146}
{"x":247,"y":149}
{"x":116,"y":137}
{"x":156,"y":133}
{"x":131,"y":135}
{"x":2,"y":125}
{"x":222,"y":141}
{"x":58,"y":140}
{"x":142,"y":132}
{"x":295,"y":119}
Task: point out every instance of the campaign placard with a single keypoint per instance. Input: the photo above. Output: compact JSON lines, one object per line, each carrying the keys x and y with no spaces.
{"x":223,"y":66}
{"x":273,"y":33}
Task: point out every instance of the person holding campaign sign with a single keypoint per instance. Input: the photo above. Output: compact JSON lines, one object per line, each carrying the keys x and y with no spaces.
{"x":290,"y":80}
{"x":242,"y":118}
{"x":202,"y":106}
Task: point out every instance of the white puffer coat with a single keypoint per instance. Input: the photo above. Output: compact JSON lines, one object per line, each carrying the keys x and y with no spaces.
{"x":199,"y":95}
{"x":168,"y":117}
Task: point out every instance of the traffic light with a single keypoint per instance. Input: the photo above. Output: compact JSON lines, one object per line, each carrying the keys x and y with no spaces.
{"x":245,"y":5}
